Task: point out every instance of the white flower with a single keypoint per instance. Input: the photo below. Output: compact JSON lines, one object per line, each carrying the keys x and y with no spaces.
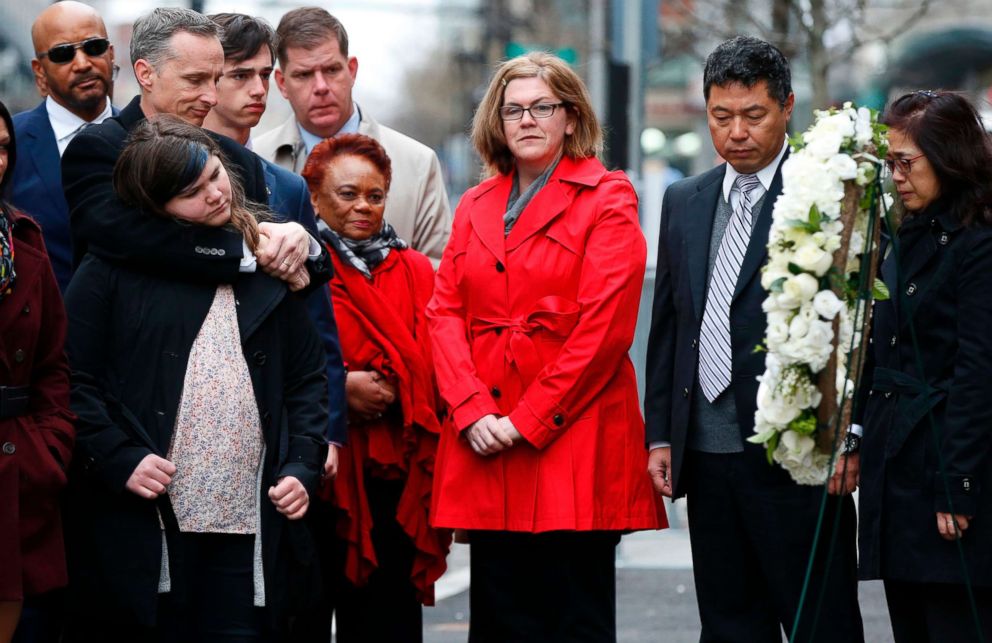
{"x":843,"y":166}
{"x":813,"y":258}
{"x":826,"y":304}
{"x":862,"y":127}
{"x":802,"y":287}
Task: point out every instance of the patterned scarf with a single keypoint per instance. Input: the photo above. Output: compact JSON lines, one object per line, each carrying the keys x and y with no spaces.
{"x":7,"y":273}
{"x":365,"y":255}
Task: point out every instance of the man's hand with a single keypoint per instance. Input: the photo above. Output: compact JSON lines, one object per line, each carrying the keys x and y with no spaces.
{"x":331,"y":463}
{"x":945,"y":525}
{"x":660,"y":470}
{"x":369,"y":394}
{"x":150,"y":478}
{"x":283,"y":249}
{"x":290,"y":498}
{"x":487,"y":437}
{"x":846,"y":474}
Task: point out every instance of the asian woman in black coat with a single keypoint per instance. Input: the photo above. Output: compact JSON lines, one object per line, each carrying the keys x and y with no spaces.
{"x":926,"y":459}
{"x":202,"y":411}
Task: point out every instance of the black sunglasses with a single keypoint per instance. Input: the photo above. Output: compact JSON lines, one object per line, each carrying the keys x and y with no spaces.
{"x":61,"y":54}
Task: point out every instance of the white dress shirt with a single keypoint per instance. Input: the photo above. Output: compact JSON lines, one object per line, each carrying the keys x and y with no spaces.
{"x":66,"y":125}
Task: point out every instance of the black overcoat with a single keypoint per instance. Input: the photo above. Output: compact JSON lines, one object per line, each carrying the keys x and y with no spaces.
{"x":129,"y":340}
{"x":940,"y":282}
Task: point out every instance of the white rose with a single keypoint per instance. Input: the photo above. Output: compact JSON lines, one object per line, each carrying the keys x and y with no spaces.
{"x":812,"y":258}
{"x":843,"y":166}
{"x":826,"y":304}
{"x":862,"y":127}
{"x":802,"y":287}
{"x":797,"y":446}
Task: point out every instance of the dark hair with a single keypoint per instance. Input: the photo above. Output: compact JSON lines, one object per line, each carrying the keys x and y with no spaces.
{"x":162,"y":157}
{"x":308,"y":28}
{"x":244,"y":36}
{"x":949,"y":132}
{"x":345,"y":145}
{"x":748,"y":61}
{"x":8,"y":173}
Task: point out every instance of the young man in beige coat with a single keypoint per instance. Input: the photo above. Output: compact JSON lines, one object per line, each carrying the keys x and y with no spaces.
{"x":316,"y":75}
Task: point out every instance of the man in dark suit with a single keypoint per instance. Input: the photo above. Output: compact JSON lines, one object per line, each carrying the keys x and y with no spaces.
{"x":75,"y":66}
{"x":751,"y":527}
{"x":249,"y":56}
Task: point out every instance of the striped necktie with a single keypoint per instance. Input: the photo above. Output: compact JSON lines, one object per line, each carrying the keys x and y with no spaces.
{"x":715,"y":358}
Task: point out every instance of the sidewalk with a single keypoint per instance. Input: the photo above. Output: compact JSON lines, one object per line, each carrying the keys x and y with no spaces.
{"x":656,"y":598}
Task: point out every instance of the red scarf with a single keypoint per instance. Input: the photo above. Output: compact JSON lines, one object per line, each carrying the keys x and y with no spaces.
{"x":402,"y":445}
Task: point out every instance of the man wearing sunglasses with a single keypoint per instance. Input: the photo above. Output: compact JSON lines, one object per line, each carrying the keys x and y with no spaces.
{"x":74,"y":67}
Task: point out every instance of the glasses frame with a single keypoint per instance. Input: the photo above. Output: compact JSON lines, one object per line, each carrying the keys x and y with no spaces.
{"x":554,"y":108}
{"x":904,"y":164}
{"x":88,"y":46}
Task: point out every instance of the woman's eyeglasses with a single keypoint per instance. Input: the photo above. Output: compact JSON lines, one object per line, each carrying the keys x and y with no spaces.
{"x":516,"y":112}
{"x":904,"y":164}
{"x":61,"y":54}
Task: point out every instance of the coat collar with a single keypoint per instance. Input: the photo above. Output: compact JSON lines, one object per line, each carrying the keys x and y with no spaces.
{"x":132,"y":114}
{"x":569,"y":177}
{"x":257,"y":295}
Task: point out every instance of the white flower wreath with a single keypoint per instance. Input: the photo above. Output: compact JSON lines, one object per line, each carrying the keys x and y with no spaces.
{"x":807,"y":292}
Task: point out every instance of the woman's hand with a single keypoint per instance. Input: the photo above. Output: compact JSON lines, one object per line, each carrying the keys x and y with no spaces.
{"x":150,"y":478}
{"x":290,"y":498}
{"x":490,"y":435}
{"x":945,"y":525}
{"x":331,"y":463}
{"x":283,"y":249}
{"x":369,"y":394}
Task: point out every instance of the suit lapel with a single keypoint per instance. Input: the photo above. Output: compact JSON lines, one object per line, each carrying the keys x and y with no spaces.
{"x":757,"y":247}
{"x":45,"y":155}
{"x":256,"y":296}
{"x":700,"y":210}
{"x":486,"y":221}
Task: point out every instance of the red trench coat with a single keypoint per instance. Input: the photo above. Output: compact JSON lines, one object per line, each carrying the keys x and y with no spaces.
{"x":35,"y":447}
{"x":537,"y":326}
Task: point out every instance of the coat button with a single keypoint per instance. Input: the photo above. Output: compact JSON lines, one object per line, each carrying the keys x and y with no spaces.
{"x":19,"y":355}
{"x":685,"y":393}
{"x":943,"y":238}
{"x":911,"y":289}
{"x":500,"y":267}
{"x":558,"y":419}
{"x":892,"y":342}
{"x":9,"y":448}
{"x":26,"y":310}
{"x":888,"y":394}
{"x":498,"y":331}
{"x":495,"y":392}
{"x":694,"y":344}
{"x":260,"y":358}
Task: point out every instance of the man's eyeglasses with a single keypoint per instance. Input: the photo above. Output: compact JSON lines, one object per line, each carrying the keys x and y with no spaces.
{"x":904,"y":164}
{"x":61,"y":54}
{"x":516,"y":112}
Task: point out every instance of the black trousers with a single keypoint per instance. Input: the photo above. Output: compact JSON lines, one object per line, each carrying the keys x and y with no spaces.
{"x":937,"y":612}
{"x":555,"y":587}
{"x":211,"y":598}
{"x":751,"y":541}
{"x":387,"y":608}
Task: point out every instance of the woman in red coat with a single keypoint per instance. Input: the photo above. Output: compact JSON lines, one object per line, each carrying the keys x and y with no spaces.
{"x":542,"y":456}
{"x":36,"y":431}
{"x":382,"y":490}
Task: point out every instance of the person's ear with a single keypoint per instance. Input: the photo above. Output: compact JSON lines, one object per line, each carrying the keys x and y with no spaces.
{"x":281,"y":83}
{"x":145,"y":74}
{"x":40,"y":79}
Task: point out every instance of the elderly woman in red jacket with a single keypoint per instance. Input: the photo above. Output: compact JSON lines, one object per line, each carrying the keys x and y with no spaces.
{"x":380,"y":288}
{"x":36,"y":433}
{"x":535,"y":303}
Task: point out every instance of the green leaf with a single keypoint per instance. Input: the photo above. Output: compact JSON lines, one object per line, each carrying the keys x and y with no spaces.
{"x":761,"y":438}
{"x":815,"y":218}
{"x":759,"y":349}
{"x":879,"y":291}
{"x":795,"y":269}
{"x":777,"y":285}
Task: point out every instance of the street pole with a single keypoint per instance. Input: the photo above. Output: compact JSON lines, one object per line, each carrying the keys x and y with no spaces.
{"x":598,"y":56}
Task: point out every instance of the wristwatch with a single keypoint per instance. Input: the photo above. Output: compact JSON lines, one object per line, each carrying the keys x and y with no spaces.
{"x":852,"y":443}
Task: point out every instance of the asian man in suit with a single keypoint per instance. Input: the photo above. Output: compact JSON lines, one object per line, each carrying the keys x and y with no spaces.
{"x":750,"y":526}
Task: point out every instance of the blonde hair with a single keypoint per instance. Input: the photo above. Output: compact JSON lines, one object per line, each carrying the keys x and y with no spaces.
{"x":487,"y":126}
